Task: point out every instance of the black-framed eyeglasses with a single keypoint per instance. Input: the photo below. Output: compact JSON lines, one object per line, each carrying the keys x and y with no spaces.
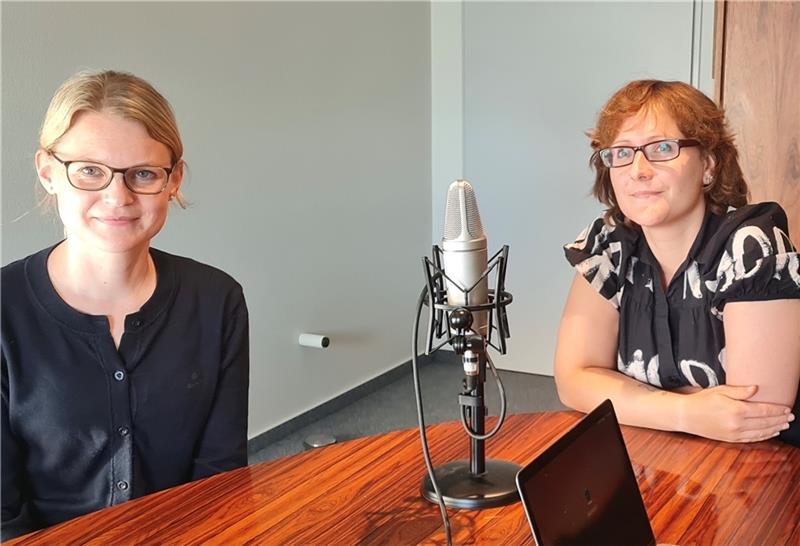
{"x":660,"y":150}
{"x":94,"y":176}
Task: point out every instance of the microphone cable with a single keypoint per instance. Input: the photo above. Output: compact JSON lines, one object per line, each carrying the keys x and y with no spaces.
{"x":421,"y":418}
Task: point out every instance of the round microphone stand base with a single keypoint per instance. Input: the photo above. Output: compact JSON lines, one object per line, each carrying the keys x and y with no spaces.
{"x":462,"y":489}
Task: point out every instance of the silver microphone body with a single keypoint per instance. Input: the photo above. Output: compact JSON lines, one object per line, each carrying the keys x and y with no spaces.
{"x":465,"y":254}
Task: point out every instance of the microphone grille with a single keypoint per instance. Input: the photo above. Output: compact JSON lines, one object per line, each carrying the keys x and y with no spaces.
{"x":461,"y":214}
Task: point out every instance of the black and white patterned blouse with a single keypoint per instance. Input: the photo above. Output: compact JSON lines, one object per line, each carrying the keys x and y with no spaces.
{"x":676,"y":338}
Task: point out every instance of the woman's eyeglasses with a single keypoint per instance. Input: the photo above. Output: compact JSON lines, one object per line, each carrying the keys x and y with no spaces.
{"x":660,"y":150}
{"x":93,"y":176}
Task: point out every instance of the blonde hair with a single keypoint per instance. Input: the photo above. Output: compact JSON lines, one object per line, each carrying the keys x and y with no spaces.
{"x":118,"y":93}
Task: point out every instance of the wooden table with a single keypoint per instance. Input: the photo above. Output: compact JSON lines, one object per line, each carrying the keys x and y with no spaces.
{"x":366,"y":491}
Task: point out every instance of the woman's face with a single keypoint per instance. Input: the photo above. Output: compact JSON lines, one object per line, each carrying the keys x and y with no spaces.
{"x":113,"y":219}
{"x":663,"y":193}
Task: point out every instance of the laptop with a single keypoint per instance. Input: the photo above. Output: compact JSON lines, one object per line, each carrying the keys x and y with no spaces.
{"x":582,"y":490}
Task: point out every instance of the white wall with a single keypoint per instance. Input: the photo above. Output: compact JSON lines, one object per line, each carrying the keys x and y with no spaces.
{"x":447,"y":94}
{"x":535,"y":75}
{"x":307,"y":132}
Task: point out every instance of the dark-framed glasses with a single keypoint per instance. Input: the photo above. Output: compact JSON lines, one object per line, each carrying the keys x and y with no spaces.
{"x":660,"y":150}
{"x":93,"y":176}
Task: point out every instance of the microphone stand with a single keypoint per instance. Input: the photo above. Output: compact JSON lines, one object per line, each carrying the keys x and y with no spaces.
{"x":475,"y":483}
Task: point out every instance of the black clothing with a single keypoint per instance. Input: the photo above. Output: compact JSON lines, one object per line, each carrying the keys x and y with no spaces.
{"x":676,"y":338}
{"x":86,"y":425}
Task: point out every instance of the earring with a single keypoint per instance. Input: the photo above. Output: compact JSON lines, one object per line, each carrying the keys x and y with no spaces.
{"x":708,"y":179}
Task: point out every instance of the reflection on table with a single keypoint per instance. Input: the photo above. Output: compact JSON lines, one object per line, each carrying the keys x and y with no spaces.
{"x":366,"y":491}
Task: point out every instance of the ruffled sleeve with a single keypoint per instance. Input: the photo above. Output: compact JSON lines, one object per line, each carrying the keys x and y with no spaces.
{"x":597,"y":255}
{"x":758,"y":261}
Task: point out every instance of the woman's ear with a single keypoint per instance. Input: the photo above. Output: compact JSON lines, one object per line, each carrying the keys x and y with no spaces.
{"x":710,"y":165}
{"x":44,"y":168}
{"x":176,"y":178}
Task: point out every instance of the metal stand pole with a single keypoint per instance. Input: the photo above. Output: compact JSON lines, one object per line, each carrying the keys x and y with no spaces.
{"x":477,"y":483}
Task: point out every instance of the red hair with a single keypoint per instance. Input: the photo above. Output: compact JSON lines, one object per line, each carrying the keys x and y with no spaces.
{"x":696,"y":116}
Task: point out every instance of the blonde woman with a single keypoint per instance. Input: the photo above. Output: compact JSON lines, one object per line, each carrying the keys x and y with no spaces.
{"x":124,"y":368}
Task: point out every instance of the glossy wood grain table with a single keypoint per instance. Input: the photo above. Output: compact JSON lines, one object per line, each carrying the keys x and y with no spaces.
{"x":366,"y":491}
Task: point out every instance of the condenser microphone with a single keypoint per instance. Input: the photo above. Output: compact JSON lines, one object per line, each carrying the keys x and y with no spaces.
{"x":458,"y":296}
{"x":464,"y":253}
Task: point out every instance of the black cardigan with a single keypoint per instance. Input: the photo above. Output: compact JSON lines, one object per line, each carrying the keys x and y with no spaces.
{"x":86,"y":425}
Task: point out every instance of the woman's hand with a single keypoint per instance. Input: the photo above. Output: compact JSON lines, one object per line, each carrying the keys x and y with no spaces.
{"x":726,"y":413}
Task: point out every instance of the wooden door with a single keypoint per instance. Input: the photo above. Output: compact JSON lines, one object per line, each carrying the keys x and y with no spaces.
{"x":757,"y":77}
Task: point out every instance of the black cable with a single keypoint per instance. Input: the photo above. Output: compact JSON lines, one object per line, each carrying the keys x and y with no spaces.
{"x":421,"y":418}
{"x":502,"y":393}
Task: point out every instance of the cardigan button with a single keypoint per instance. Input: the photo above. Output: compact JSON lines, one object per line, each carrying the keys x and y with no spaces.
{"x":119,"y":375}
{"x":123,"y":431}
{"x":136,"y":323}
{"x":122,"y":485}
